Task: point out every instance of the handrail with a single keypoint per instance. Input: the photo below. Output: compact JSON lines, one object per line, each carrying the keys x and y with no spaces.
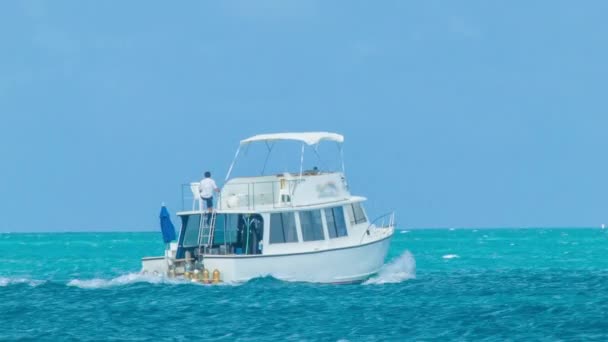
{"x":391,"y":220}
{"x":274,"y":193}
{"x":391,"y":223}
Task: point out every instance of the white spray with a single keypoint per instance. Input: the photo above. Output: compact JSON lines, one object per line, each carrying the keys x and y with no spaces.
{"x":397,"y":270}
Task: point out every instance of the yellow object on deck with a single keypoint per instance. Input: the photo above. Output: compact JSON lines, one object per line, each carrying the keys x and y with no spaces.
{"x":205,"y":277}
{"x":216,"y":276}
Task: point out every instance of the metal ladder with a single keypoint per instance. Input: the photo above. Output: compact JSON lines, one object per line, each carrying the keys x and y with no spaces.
{"x":206,"y":231}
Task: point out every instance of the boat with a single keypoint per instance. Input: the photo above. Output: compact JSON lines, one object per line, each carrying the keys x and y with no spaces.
{"x":302,"y":226}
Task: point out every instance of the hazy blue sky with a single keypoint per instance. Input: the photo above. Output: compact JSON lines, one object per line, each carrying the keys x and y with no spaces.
{"x":468,"y":113}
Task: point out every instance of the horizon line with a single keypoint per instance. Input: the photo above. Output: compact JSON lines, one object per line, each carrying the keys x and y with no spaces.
{"x":399,"y":229}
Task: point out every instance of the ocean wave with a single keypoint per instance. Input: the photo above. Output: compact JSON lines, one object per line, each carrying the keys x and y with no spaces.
{"x":397,"y":270}
{"x":14,"y":281}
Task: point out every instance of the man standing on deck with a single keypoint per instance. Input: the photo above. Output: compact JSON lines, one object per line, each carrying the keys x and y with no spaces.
{"x":206,"y":189}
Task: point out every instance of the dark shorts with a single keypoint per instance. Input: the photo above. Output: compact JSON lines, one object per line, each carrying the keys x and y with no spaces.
{"x":208,"y":202}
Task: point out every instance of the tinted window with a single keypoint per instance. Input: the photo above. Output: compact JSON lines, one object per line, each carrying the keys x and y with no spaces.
{"x":219,"y":235}
{"x":243,"y":231}
{"x":226,"y":228}
{"x":336,"y":226}
{"x":283,"y":228}
{"x":359,"y":214}
{"x":312,"y":226}
{"x":191,"y":225}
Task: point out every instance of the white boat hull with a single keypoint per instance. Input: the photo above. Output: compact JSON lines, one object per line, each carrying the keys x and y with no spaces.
{"x":340,"y":265}
{"x":344,"y":265}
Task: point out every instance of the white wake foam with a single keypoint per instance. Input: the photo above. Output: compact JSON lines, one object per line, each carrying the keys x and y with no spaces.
{"x":133,"y":278}
{"x":12,"y":281}
{"x":397,"y":270}
{"x":451,"y":256}
{"x":126,"y":279}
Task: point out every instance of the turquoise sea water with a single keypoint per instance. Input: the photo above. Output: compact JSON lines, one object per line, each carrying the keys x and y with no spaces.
{"x":463,"y":284}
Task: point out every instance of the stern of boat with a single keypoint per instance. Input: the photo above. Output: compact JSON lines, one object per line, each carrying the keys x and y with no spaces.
{"x":159,"y":265}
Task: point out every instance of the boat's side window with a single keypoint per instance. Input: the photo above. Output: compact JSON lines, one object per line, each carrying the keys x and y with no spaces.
{"x":311,"y":224}
{"x":231,"y":227}
{"x":350,"y":213}
{"x":283,"y":228}
{"x":358,"y":215}
{"x":191,"y":224}
{"x":225,"y":229}
{"x":336,"y":226}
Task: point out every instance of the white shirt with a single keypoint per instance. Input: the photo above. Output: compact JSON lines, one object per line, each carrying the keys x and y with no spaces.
{"x":206,"y":187}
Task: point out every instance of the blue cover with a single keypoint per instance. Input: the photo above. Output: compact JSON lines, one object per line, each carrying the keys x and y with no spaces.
{"x":166,"y":226}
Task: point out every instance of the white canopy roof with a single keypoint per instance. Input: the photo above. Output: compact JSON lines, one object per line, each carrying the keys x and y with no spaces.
{"x":310,"y":138}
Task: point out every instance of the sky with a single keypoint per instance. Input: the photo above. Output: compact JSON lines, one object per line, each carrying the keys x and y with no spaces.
{"x":455,"y":114}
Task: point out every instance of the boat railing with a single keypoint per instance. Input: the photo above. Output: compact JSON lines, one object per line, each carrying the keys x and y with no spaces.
{"x":189,"y":197}
{"x":386,"y":220}
{"x":245,"y":195}
{"x":383,"y":221}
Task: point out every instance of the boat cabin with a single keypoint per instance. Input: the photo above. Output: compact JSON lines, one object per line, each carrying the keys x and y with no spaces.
{"x":275,"y":232}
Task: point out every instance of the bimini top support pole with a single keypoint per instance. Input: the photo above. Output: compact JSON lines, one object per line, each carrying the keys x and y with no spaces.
{"x":342,"y":158}
{"x":302,"y":161}
{"x":269,"y":146}
{"x":236,"y":155}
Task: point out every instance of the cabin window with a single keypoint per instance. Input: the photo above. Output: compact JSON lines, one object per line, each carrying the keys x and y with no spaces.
{"x":356,"y":213}
{"x":225,"y":229}
{"x":191,"y":224}
{"x":283,"y":228}
{"x":251,"y":233}
{"x":221,"y":234}
{"x":336,"y":226}
{"x":240,"y":233}
{"x":234,"y":233}
{"x":312,"y":226}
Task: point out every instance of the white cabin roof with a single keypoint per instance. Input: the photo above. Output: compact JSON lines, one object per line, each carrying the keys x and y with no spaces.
{"x":309,"y":138}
